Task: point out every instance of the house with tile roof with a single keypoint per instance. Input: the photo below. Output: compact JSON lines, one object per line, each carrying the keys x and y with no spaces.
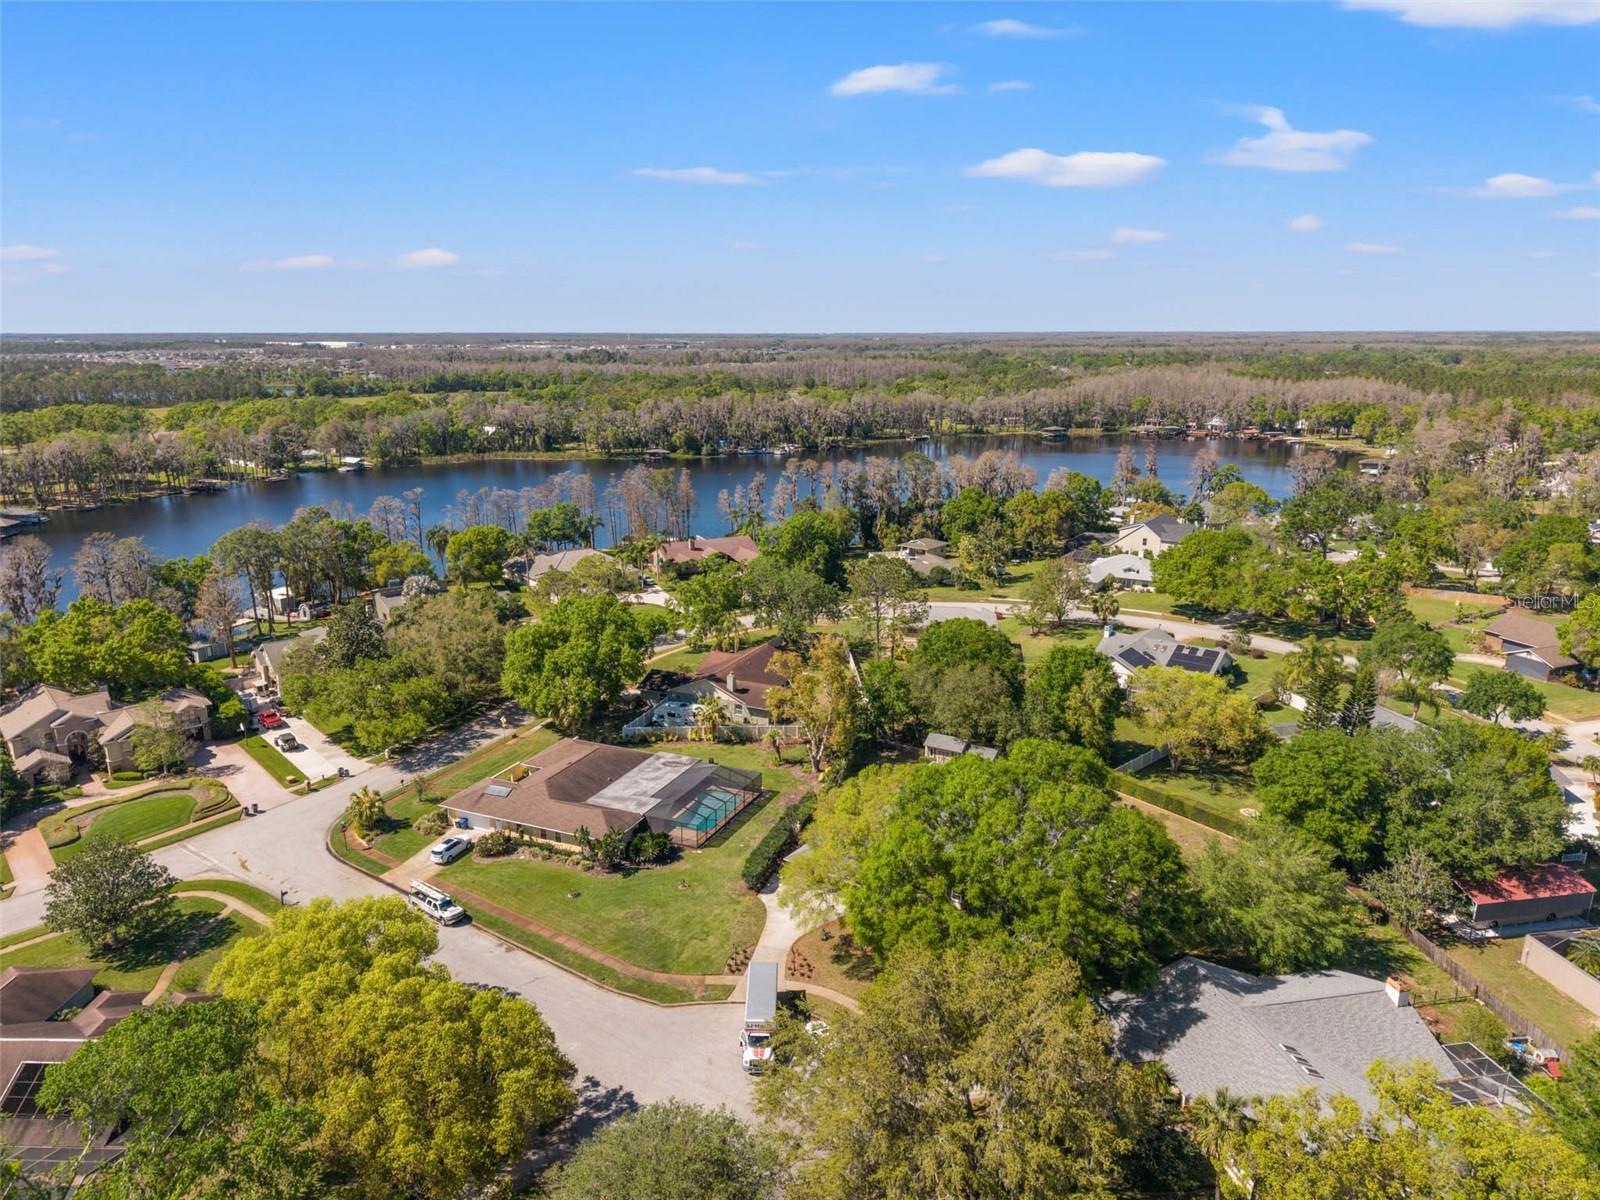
{"x":695,"y":549}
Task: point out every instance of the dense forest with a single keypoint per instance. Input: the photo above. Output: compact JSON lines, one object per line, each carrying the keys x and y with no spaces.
{"x":103,"y":418}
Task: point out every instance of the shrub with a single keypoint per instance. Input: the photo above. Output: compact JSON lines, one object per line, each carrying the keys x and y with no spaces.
{"x":762,"y":860}
{"x":493,"y":844}
{"x":127,"y":776}
{"x":58,"y":832}
{"x":1476,"y":1024}
{"x":650,"y":847}
{"x":430,"y":824}
{"x":71,"y":793}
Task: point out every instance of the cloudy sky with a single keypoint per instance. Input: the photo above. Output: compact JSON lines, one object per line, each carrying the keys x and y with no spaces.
{"x":1370,"y":164}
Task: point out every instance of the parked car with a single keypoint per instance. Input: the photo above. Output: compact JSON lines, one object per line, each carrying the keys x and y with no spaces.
{"x":268,"y":719}
{"x":286,"y":741}
{"x":431,"y":902}
{"x":449,"y":850}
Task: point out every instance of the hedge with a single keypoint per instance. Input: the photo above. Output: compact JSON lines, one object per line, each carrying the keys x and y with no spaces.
{"x":763,"y":859}
{"x":1161,"y":798}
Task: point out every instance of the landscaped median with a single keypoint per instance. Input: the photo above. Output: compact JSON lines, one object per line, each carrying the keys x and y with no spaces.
{"x":156,"y":817}
{"x":670,"y":934}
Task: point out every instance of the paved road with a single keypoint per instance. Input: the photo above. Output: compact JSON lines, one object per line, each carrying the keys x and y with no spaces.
{"x":627,"y":1051}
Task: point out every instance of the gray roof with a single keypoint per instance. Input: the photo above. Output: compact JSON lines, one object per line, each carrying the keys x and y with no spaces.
{"x":1269,"y":1035}
{"x":1168,"y":529}
{"x":273,"y":652}
{"x":948,"y":744}
{"x":1157,"y":648}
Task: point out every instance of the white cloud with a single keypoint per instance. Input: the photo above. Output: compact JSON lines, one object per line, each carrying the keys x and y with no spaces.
{"x":1305,"y":223}
{"x":22,"y":252}
{"x":296,"y":262}
{"x":1008,"y":28}
{"x":1583,"y":104}
{"x":1123,"y":235}
{"x":430,"y":257}
{"x":1373,"y":248}
{"x":1086,"y":168}
{"x":1584,"y":212}
{"x":919,"y":79}
{"x":1082,"y":255}
{"x":1514,"y":186}
{"x":1284,"y":148}
{"x":705,"y":176}
{"x":1011,"y":85}
{"x":1485,"y":14}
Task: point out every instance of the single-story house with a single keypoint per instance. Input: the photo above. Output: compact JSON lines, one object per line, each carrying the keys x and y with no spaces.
{"x":46,"y":1014}
{"x":923,"y":555}
{"x":48,"y":730}
{"x":575,"y":785}
{"x":1528,"y":895}
{"x":541,"y":565}
{"x":1152,"y":537}
{"x":268,"y":657}
{"x":740,"y":678}
{"x":695,"y":549}
{"x":1158,"y":648}
{"x":1124,"y":570}
{"x":1214,"y":1027}
{"x":943,"y":748}
{"x":1532,"y":647}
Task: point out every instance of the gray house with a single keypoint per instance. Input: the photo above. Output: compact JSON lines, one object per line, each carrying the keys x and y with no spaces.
{"x":1214,"y":1027}
{"x":1531,"y":646}
{"x":1157,"y":648}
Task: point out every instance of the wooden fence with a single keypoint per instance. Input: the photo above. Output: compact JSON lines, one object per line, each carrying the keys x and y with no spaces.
{"x":1482,"y":992}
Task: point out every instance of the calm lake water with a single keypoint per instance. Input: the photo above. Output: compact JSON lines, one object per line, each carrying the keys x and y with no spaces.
{"x":180,"y":526}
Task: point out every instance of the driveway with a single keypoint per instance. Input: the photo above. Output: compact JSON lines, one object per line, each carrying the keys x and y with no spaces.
{"x":317,"y":757}
{"x":248,"y":780}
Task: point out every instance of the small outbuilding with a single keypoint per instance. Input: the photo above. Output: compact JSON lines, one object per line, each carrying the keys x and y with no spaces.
{"x":1530,"y":895}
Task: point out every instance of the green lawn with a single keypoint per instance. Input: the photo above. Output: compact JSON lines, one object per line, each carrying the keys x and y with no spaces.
{"x":686,"y":918}
{"x":133,"y":821}
{"x":486,"y":760}
{"x":402,"y":841}
{"x":279,"y":767}
{"x":1036,"y":646}
{"x":261,"y":901}
{"x":1496,"y":963}
{"x":138,"y":966}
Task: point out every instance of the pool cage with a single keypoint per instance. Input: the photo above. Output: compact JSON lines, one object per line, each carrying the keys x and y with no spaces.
{"x":700,"y":802}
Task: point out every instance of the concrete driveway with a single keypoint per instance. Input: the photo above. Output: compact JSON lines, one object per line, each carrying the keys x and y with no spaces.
{"x":318,"y":756}
{"x":248,"y":780}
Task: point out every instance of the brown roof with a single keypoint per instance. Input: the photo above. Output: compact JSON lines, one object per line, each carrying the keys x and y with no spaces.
{"x":1530,"y":631}
{"x":30,"y":994}
{"x":50,"y":704}
{"x":1546,"y":881}
{"x":751,"y":670}
{"x":551,"y":796}
{"x":738,"y":547}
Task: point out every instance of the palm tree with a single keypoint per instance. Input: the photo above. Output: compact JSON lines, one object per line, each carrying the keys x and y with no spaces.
{"x":1591,"y":764}
{"x":438,"y":538}
{"x":1315,"y":659}
{"x":1105,"y":606}
{"x":1214,"y":1122}
{"x":709,"y":716}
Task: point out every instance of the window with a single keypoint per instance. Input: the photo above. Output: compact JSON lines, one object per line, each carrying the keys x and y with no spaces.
{"x":19,"y":1098}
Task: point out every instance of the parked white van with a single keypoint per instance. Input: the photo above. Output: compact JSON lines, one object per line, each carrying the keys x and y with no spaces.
{"x":434,"y":903}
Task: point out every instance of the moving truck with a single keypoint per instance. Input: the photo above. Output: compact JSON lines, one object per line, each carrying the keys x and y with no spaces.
{"x":760,"y":1009}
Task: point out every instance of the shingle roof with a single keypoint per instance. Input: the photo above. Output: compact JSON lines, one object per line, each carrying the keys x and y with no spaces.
{"x":1264,"y":1036}
{"x":751,"y":670}
{"x":1157,"y":648}
{"x":737,"y":547}
{"x":1168,"y":529}
{"x":1526,"y":630}
{"x":50,"y":704}
{"x":563,"y":560}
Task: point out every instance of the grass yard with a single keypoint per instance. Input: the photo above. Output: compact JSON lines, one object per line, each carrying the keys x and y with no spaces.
{"x":1496,"y":963}
{"x":402,"y":841}
{"x":1018,"y":576}
{"x":279,"y":767}
{"x":133,"y":821}
{"x":261,"y":901}
{"x":686,"y":918}
{"x":1036,"y":646}
{"x":1191,"y":836}
{"x":196,"y":931}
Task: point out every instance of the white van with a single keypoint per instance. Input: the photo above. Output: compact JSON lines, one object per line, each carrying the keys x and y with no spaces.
{"x":434,"y":903}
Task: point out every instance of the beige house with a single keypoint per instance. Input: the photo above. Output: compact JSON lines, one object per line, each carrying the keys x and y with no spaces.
{"x":741,"y":679}
{"x":268,"y":657}
{"x":49,"y":730}
{"x":1151,"y":538}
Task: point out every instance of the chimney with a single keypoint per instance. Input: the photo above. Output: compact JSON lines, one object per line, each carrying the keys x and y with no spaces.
{"x":1398,"y":990}
{"x":691,"y":541}
{"x":733,"y":684}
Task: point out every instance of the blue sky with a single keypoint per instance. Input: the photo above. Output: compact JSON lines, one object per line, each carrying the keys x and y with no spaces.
{"x":792,"y":167}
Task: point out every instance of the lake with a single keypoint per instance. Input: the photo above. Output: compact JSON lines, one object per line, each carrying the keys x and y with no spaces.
{"x":181,"y":526}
